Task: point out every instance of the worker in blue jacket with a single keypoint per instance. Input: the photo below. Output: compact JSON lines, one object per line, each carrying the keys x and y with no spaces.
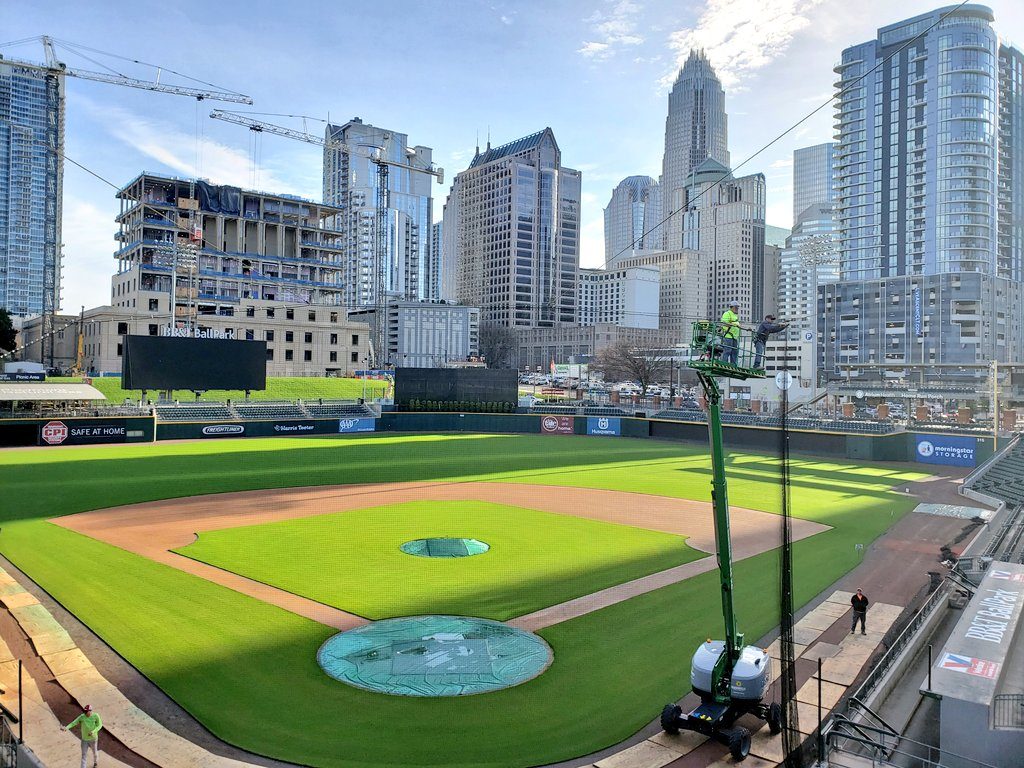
{"x":765,"y":328}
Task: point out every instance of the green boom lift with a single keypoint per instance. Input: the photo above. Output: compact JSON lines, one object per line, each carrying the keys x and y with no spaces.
{"x":730,"y":678}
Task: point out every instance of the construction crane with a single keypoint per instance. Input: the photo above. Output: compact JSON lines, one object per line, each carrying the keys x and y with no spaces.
{"x":376,"y":156}
{"x":113,"y":77}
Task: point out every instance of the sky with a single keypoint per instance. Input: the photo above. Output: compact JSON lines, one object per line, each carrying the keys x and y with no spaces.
{"x":446,"y":73}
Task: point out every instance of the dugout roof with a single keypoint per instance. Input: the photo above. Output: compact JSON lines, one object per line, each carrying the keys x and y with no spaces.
{"x":40,"y":390}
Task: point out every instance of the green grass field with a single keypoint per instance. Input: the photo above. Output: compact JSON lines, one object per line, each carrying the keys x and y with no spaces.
{"x":248,"y":672}
{"x":352,"y":560}
{"x":281,"y":388}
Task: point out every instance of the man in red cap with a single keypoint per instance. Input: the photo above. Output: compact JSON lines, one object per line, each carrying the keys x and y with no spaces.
{"x":91,"y":725}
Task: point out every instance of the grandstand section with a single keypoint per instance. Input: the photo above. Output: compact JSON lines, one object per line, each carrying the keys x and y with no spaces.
{"x":1004,"y":477}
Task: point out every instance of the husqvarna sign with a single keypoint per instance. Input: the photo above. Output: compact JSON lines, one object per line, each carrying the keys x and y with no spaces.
{"x":604,"y":425}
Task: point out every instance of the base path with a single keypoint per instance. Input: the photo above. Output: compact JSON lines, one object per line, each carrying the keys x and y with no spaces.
{"x":154,"y":528}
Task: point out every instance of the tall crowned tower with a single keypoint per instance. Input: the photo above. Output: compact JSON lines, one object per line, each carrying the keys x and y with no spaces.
{"x":695,"y":130}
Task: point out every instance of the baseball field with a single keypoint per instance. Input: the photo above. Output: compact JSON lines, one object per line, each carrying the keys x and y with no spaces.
{"x":218,"y":569}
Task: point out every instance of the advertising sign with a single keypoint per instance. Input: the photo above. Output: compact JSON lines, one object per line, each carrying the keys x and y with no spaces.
{"x":946,"y":449}
{"x":556,"y":425}
{"x":604,"y":425}
{"x":59,"y":433}
{"x":969,"y":665}
{"x":53,"y":432}
{"x":357,"y":425}
{"x":21,"y":376}
{"x":223,"y":430}
{"x":295,"y":427}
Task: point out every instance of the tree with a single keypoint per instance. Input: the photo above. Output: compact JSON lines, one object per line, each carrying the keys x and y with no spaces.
{"x":620,"y":361}
{"x":8,"y":335}
{"x":497,"y":343}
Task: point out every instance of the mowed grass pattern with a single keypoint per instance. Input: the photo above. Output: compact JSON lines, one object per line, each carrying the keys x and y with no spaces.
{"x":352,"y":560}
{"x":307,"y":388}
{"x":248,"y":670}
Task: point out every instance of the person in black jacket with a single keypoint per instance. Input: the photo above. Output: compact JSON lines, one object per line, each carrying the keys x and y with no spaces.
{"x":765,"y":328}
{"x":860,"y":611}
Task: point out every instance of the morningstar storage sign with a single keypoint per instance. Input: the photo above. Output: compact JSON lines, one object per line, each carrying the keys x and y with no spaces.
{"x":952,"y":450}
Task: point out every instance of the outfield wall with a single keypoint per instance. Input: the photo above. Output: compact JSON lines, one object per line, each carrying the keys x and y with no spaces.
{"x":925,"y":448}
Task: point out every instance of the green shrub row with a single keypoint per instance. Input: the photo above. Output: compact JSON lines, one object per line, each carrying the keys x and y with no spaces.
{"x":461,"y":405}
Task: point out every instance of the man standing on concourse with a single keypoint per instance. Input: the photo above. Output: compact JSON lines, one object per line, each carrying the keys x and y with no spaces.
{"x":730,"y":331}
{"x":860,"y":611}
{"x":765,"y":328}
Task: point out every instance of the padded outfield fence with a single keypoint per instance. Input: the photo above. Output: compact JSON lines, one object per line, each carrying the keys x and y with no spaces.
{"x":57,"y":430}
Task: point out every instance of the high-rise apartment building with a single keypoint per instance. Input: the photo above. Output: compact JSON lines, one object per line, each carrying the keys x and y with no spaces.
{"x":624,"y":297}
{"x":511,"y":229}
{"x":926,"y":153}
{"x":433,"y":274}
{"x":632,"y":216}
{"x":1010,"y":247}
{"x":695,"y":129}
{"x":814,"y":177}
{"x":352,"y":182}
{"x":724,"y":219}
{"x":31,"y":180}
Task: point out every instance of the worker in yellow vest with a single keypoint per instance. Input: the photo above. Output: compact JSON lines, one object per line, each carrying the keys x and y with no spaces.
{"x":731,"y":334}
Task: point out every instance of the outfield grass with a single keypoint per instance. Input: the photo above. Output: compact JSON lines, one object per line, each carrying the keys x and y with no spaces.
{"x":352,"y":560}
{"x":247,"y":670}
{"x":279,"y":388}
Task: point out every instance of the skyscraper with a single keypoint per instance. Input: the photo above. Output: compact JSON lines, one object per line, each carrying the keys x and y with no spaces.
{"x":928,"y":148}
{"x":31,"y":180}
{"x":511,"y":229}
{"x":352,"y":182}
{"x":634,"y":209}
{"x":695,"y":129}
{"x":814,"y":177}
{"x":433,"y":275}
{"x":724,"y":219}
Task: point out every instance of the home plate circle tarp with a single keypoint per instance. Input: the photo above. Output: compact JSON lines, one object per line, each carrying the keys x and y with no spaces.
{"x":444,"y":547}
{"x":434,"y":656}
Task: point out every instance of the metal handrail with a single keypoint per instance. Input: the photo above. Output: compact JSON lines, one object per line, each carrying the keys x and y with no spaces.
{"x":883,"y":726}
{"x":972,"y":478}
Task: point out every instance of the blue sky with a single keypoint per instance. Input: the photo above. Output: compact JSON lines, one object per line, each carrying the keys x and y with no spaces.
{"x":596,"y":72}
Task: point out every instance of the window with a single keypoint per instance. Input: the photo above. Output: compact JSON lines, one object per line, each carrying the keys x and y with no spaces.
{"x":334,"y":338}
{"x":119,"y":349}
{"x":355,"y":339}
{"x":250,"y":311}
{"x":289,"y":336}
{"x":334,"y":317}
{"x":355,"y":357}
{"x":289,"y":314}
{"x":308,"y":355}
{"x":269,"y":335}
{"x":312,"y":316}
{"x":288,"y":354}
{"x":152,"y":329}
{"x":154,"y":305}
{"x":250,"y":335}
{"x":333,"y":357}
{"x":270,"y":353}
{"x":122,"y":329}
{"x":270,"y":311}
{"x":309,"y":337}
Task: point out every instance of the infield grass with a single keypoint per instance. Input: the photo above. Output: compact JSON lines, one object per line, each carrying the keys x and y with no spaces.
{"x":352,"y":559}
{"x":247,"y":670}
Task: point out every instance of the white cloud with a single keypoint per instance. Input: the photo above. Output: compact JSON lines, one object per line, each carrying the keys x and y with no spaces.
{"x":782,"y":162}
{"x":612,"y":30}
{"x":177,"y":150}
{"x":87,"y":231}
{"x":507,"y":20}
{"x":741,"y":36}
